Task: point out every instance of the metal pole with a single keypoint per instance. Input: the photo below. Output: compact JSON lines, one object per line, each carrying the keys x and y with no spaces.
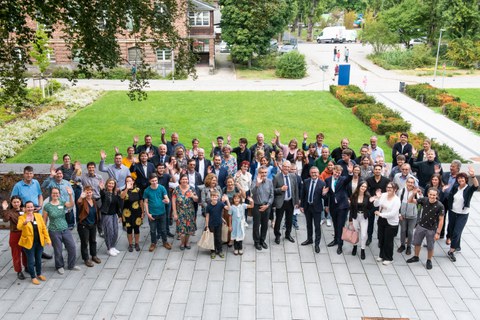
{"x":438,"y":52}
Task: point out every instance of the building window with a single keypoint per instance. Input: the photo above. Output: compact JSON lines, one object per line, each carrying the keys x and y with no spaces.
{"x":199,"y":19}
{"x":164,"y":55}
{"x":134,"y":55}
{"x":129,"y":24}
{"x":201,"y":45}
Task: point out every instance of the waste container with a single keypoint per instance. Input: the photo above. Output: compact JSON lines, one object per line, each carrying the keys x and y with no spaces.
{"x":344,"y":75}
{"x":402,"y":86}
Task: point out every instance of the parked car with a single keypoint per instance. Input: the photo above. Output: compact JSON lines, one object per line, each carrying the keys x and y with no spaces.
{"x":224,"y":47}
{"x":273,"y":45}
{"x":287,"y":47}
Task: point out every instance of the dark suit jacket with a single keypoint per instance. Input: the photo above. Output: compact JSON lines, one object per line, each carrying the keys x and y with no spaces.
{"x":279,"y":195}
{"x":198,"y":181}
{"x":222,"y":176}
{"x":208,"y":163}
{"x":142,"y":179}
{"x":421,"y":154}
{"x":407,"y":151}
{"x":338,"y":199}
{"x":143,"y":147}
{"x":156,"y":159}
{"x":317,"y":195}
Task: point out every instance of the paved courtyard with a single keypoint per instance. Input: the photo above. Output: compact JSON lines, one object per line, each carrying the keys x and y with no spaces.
{"x":287,"y":281}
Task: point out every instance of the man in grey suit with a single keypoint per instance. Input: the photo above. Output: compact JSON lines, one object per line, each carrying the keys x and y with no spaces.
{"x":285,"y":190}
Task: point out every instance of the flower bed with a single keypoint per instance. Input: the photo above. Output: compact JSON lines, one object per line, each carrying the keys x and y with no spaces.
{"x":385,"y":121}
{"x":17,"y":134}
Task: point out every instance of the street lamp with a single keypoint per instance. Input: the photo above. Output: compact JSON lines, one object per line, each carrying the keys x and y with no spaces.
{"x":438,"y":52}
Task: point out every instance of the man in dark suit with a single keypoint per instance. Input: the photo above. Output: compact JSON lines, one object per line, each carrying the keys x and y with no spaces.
{"x":143,"y":169}
{"x":337,"y":202}
{"x":402,"y":147}
{"x":375,"y":182}
{"x":147,"y":147}
{"x":312,"y":206}
{"x":194,"y":180}
{"x":449,"y":180}
{"x":219,"y":171}
{"x":202,"y":164}
{"x":161,"y":156}
{"x":285,"y":192}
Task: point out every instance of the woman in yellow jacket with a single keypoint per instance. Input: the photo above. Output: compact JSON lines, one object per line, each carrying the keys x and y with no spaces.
{"x":33,"y":238}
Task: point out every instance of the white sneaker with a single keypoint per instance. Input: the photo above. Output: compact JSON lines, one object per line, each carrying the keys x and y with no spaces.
{"x":61,"y":271}
{"x":76,"y":268}
{"x":387,"y":262}
{"x":322,"y":222}
{"x":379,"y":259}
{"x":112,"y":252}
{"x":329,"y":222}
{"x":115,"y":249}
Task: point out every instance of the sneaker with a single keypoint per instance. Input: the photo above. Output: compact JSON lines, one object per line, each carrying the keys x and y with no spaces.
{"x":246,"y":224}
{"x":42,"y":277}
{"x":457,"y":250}
{"x":235,"y":252}
{"x":213,"y":255}
{"x":61,"y":271}
{"x":401,"y":249}
{"x":89,"y":263}
{"x":451,"y":255}
{"x":167,"y":245}
{"x":76,"y":268}
{"x":115,"y":249}
{"x":35,"y":281}
{"x":112,"y":253}
{"x":429,"y":264}
{"x":96,"y":260}
{"x":387,"y":262}
{"x":137,"y":247}
{"x":379,"y":259}
{"x":240,"y":252}
{"x":409,"y":251}
{"x":413,"y":259}
{"x":323,"y":221}
{"x":152,"y":247}
{"x":329,"y":222}
{"x":221,"y":255}
{"x":130,"y":248}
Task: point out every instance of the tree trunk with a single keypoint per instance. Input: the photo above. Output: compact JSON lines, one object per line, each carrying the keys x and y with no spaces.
{"x":294,"y":25}
{"x":310,"y":21}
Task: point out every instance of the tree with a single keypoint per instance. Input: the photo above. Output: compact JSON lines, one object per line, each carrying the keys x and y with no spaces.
{"x":89,"y":30}
{"x":40,"y":51}
{"x":248,"y":26}
{"x":406,"y":19}
{"x":349,"y":19}
{"x":377,"y":33}
{"x":462,"y":18}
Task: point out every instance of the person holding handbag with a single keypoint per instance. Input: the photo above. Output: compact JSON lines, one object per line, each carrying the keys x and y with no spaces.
{"x":360,"y":205}
{"x":388,"y":204}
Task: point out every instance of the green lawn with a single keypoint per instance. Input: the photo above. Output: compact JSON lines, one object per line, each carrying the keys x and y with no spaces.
{"x":471,"y":96}
{"x":113,"y":120}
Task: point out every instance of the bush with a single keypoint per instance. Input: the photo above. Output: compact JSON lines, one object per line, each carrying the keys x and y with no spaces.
{"x":291,"y":65}
{"x":351,"y":95}
{"x":264,"y":62}
{"x":417,"y":57}
{"x":464,"y":52}
{"x":380,"y":118}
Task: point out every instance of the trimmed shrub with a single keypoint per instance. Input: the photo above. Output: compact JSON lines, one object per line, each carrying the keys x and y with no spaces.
{"x":351,"y":95}
{"x":291,"y":65}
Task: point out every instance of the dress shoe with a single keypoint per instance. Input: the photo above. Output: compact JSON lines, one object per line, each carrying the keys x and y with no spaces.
{"x":264,"y":245}
{"x":317,"y":249}
{"x":20,"y":276}
{"x":333,"y":243}
{"x":289,"y":238}
{"x":96,"y":260}
{"x":152,"y":247}
{"x":89,"y":263}
{"x":354,"y":251}
{"x":408,"y":251}
{"x":339,"y":250}
{"x":41,"y":277}
{"x":306,"y":242}
{"x":362,"y":254}
{"x":277,"y":239}
{"x":401,"y":249}
{"x":258,"y":246}
{"x":429,"y":264}
{"x":413,"y":259}
{"x":451,"y":256}
{"x":170,"y":235}
{"x":46,"y":256}
{"x":369,"y":240}
{"x":167,"y":245}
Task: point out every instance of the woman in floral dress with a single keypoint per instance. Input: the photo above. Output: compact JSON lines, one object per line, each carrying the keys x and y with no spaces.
{"x":229,"y":161}
{"x":183,"y":198}
{"x":132,"y":215}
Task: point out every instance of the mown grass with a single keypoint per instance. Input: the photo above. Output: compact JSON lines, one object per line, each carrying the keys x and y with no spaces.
{"x":113,"y":120}
{"x":471,"y":96}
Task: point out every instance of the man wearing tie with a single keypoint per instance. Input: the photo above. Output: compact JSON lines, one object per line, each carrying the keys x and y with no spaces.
{"x":312,"y":206}
{"x":285,"y":199}
{"x":262,"y":194}
{"x":337,"y":202}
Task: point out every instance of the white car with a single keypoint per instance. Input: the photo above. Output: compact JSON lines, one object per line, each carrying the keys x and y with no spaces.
{"x":224,"y":48}
{"x":287,"y":48}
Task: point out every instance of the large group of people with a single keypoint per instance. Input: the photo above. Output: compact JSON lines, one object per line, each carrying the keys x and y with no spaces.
{"x":272,"y":182}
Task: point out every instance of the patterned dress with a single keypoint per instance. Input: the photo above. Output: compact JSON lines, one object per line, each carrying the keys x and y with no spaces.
{"x":132,"y":212}
{"x":185,"y":212}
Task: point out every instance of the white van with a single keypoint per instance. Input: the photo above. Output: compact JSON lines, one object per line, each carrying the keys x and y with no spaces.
{"x":332,"y":34}
{"x":351,"y":35}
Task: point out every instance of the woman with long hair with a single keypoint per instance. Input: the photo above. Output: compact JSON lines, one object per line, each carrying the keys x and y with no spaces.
{"x":359,"y":207}
{"x":132,"y":213}
{"x":111,"y":212}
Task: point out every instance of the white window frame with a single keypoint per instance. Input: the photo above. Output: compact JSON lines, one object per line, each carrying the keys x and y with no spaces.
{"x":199,"y":18}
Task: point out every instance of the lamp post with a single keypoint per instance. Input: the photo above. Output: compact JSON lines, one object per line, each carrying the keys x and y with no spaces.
{"x":438,"y":52}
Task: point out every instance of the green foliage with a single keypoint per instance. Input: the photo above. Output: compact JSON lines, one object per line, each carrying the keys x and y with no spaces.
{"x":431,"y":96}
{"x":291,"y":65}
{"x":40,"y":50}
{"x":464,"y":52}
{"x":117,"y":73}
{"x":268,"y":61}
{"x":351,"y":95}
{"x":248,"y":26}
{"x":377,"y":33}
{"x":462,"y":18}
{"x":417,"y":57}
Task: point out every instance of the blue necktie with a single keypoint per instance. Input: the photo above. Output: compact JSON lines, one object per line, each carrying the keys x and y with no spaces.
{"x":289,"y":195}
{"x":312,"y":186}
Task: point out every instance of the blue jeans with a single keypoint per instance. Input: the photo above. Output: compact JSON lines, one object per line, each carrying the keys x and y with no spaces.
{"x":457,"y":223}
{"x":158,"y":228}
{"x":34,"y":259}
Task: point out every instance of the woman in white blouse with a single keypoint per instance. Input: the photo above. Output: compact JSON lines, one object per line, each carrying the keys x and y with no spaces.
{"x":388,"y":218}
